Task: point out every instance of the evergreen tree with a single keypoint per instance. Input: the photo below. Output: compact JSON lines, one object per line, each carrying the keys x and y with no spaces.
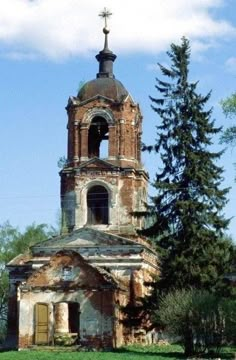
{"x":189,"y":223}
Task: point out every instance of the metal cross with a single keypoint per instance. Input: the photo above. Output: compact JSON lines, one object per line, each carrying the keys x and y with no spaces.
{"x":105,"y":14}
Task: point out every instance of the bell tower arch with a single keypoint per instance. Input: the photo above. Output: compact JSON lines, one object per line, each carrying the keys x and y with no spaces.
{"x":103,"y":183}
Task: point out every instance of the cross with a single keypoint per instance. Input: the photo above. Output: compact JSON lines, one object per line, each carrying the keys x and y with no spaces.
{"x":105,"y":14}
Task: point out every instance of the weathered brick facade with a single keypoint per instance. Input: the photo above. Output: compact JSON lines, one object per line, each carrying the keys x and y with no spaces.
{"x":121,"y":172}
{"x":105,"y":272}
{"x":72,"y":288}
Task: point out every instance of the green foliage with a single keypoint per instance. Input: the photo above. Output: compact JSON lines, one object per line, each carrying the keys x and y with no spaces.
{"x":62,"y":162}
{"x":229,"y":136}
{"x":8,"y":236}
{"x":3,"y":303}
{"x":229,"y":106}
{"x":229,"y":109}
{"x":188,"y":206}
{"x":202,"y":321}
{"x":12,"y":243}
{"x":228,"y":308}
{"x":33,"y":234}
{"x":65,"y":339}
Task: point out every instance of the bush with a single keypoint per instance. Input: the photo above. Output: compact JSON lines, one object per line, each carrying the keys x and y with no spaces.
{"x":202,"y":321}
{"x":65,"y":339}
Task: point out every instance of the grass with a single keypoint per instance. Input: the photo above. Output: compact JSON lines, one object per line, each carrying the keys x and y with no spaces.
{"x":167,"y":352}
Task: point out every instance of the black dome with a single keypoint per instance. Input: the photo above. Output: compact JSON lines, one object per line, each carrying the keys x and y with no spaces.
{"x":107,"y":87}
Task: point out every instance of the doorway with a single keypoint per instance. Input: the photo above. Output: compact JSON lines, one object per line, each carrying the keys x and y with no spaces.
{"x":41,"y":323}
{"x":73,"y":318}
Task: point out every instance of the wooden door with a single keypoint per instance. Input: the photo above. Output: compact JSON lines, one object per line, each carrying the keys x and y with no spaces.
{"x":41,"y":324}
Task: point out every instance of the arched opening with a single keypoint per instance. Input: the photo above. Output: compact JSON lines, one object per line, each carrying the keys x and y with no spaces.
{"x":97,"y":202}
{"x":98,"y":138}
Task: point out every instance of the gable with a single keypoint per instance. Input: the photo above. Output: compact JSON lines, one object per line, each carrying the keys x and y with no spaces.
{"x":96,"y":163}
{"x":68,"y":269}
{"x":86,"y":237}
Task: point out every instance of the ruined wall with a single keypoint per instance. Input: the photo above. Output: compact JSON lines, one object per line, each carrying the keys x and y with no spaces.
{"x":114,"y":259}
{"x":95,"y":320}
{"x":84,"y":286}
{"x":126,"y":192}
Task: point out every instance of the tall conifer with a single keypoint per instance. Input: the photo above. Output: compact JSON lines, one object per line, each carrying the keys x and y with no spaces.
{"x":189,"y":223}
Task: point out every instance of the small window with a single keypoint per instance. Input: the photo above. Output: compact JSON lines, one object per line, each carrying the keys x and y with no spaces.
{"x":67,"y":273}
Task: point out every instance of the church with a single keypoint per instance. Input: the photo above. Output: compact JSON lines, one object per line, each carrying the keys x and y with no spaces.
{"x":72,"y":288}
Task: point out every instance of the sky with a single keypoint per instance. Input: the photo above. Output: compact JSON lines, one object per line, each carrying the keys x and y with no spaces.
{"x":48,"y":48}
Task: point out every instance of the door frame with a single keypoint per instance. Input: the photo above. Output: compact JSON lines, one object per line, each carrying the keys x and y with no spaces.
{"x":36,"y":323}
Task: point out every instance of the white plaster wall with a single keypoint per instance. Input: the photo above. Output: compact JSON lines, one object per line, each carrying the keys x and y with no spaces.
{"x":92,"y":321}
{"x":68,"y":205}
{"x":81,"y":201}
{"x":74,"y":203}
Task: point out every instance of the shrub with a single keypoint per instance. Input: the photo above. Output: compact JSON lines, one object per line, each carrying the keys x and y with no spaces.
{"x":202,"y":321}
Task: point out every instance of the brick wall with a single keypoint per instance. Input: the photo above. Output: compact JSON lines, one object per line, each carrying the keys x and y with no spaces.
{"x":124,"y":130}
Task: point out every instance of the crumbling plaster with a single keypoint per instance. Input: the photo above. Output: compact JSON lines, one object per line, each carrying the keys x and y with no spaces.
{"x":87,"y":287}
{"x":125,"y":196}
{"x":96,"y":312}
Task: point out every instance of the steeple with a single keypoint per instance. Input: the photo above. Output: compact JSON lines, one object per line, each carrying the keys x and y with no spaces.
{"x":103,"y":184}
{"x":106,"y":56}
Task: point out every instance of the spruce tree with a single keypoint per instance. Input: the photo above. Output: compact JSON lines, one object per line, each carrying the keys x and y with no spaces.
{"x":188,"y":221}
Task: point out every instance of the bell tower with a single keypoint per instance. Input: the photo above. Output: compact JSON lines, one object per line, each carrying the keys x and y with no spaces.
{"x":103,"y":183}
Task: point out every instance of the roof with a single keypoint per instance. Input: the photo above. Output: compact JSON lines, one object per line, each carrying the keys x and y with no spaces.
{"x":89,"y":237}
{"x":106,"y":87}
{"x":20,"y":259}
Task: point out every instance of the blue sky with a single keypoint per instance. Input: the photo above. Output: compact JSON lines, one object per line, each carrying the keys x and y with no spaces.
{"x":47,"y":48}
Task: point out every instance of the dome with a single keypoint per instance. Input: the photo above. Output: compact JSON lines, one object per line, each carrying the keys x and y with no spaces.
{"x":103,"y":86}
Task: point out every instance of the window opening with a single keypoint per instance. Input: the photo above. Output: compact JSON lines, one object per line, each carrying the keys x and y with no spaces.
{"x":98,"y":138}
{"x":97,"y":201}
{"x":67,"y":273}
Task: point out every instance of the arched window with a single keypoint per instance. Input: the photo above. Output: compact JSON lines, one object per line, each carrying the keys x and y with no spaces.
{"x":97,"y":201}
{"x":98,"y":138}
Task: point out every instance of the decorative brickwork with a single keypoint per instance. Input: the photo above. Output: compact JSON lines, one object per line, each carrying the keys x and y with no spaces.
{"x":121,"y":171}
